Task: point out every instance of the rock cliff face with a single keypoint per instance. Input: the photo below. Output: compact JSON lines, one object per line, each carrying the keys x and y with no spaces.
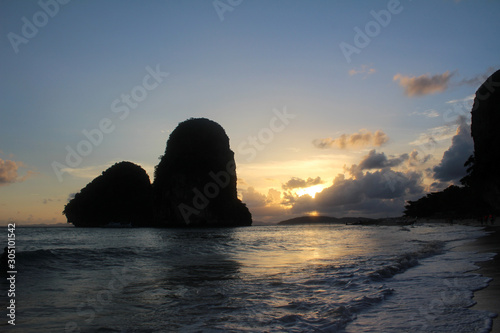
{"x":195,"y":181}
{"x":485,"y":126}
{"x":121,"y":195}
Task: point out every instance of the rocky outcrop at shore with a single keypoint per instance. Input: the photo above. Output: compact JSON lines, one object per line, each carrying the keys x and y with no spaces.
{"x":121,"y":196}
{"x":195,"y":181}
{"x":485,"y":123}
{"x":194,"y":186}
{"x":480,"y":193}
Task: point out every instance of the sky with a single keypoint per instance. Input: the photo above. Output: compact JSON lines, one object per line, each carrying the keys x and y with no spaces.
{"x":338,"y":108}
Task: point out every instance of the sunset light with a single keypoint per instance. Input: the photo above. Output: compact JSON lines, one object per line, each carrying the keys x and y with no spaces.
{"x":250,"y":166}
{"x":311,"y":190}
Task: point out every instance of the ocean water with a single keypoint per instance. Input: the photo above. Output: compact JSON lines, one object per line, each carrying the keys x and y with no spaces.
{"x":323,"y":278}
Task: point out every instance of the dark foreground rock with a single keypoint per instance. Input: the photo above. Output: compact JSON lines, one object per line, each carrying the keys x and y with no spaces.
{"x":121,"y":196}
{"x":480,"y":194}
{"x":485,"y":123}
{"x":195,"y":181}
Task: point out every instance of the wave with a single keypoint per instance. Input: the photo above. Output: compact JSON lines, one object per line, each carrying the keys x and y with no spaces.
{"x":332,"y":317}
{"x":405,"y":261}
{"x":57,"y":257}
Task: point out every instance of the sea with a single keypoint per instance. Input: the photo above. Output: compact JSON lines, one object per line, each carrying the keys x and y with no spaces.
{"x":314,"y":278}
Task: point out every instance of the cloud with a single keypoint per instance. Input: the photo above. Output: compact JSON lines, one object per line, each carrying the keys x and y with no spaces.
{"x":273,"y":196}
{"x":364,"y":69}
{"x":435,"y":134}
{"x":423,"y":84}
{"x":371,"y":188}
{"x":360,"y":139}
{"x":378,"y":193}
{"x":265,"y":208}
{"x":427,"y":113}
{"x":468,"y":100}
{"x":451,"y":168}
{"x":253,"y":198}
{"x":479,"y":79}
{"x":295,"y":182}
{"x":374,"y":189}
{"x":415,"y":160}
{"x":9,"y":172}
{"x":376,"y":160}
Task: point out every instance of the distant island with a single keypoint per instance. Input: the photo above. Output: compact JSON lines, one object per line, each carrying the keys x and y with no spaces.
{"x":306,"y":220}
{"x":194,"y":186}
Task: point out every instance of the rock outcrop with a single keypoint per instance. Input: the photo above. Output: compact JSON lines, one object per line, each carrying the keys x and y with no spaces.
{"x":122,"y":195}
{"x":485,"y":175}
{"x":481,"y":191}
{"x":195,"y":181}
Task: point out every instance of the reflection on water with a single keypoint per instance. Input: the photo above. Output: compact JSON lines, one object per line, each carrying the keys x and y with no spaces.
{"x":286,"y":278}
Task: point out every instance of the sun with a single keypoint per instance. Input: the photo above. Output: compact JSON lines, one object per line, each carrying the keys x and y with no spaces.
{"x":310,"y":190}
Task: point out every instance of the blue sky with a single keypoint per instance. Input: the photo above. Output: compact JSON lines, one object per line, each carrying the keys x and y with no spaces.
{"x":240,"y":63}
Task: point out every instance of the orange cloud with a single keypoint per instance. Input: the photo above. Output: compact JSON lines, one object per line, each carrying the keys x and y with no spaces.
{"x":360,"y":139}
{"x":423,"y":84}
{"x":364,"y":69}
{"x":9,"y":172}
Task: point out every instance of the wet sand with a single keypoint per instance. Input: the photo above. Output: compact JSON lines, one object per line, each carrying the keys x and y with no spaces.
{"x":489,"y":298}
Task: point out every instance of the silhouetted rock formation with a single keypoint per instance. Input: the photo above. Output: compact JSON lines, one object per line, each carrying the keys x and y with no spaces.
{"x":195,"y":181}
{"x":481,"y":192}
{"x":122,"y":195}
{"x":485,"y":175}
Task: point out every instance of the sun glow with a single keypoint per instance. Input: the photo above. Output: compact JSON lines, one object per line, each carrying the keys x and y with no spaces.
{"x":310,"y":190}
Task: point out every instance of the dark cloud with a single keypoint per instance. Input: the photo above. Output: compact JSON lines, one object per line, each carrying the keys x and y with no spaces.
{"x":295,"y":182}
{"x":423,"y":84}
{"x":360,"y":139}
{"x":9,"y":172}
{"x":380,"y":193}
{"x":415,"y":160}
{"x":376,"y":160}
{"x":451,"y":168}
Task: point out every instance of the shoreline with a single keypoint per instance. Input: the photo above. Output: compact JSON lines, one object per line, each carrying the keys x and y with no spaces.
{"x":488,"y":299}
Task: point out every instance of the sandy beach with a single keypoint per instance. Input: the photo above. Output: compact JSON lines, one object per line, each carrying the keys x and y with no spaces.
{"x":489,"y":298}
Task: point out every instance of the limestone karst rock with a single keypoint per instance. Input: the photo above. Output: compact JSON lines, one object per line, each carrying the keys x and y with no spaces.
{"x":485,"y":124}
{"x":195,"y":181}
{"x":480,"y":194}
{"x":122,"y":195}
